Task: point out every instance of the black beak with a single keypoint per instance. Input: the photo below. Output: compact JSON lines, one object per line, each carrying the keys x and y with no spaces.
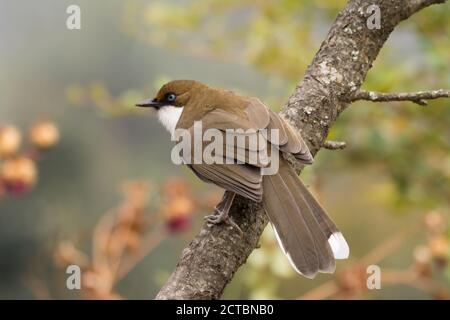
{"x":150,"y":103}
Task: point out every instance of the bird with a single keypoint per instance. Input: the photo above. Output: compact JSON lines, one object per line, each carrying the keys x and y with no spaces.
{"x":305,"y":232}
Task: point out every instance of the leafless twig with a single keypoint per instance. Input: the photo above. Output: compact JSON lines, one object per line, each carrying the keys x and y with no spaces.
{"x":419,"y":97}
{"x":334,"y":145}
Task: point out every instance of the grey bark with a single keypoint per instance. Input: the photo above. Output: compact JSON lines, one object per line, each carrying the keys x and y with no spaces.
{"x":337,"y":71}
{"x":419,"y":97}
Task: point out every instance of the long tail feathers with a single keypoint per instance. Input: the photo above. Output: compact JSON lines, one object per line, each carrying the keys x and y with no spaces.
{"x":306,"y":234}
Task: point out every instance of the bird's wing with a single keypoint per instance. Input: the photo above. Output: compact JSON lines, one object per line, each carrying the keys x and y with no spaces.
{"x":257,"y":116}
{"x":289,"y":141}
{"x":228,"y":159}
{"x":237,"y":166}
{"x":245,"y":180}
{"x":253,"y":115}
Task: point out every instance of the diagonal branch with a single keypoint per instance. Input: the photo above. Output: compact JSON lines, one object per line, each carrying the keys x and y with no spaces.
{"x":338,"y":70}
{"x":419,"y":97}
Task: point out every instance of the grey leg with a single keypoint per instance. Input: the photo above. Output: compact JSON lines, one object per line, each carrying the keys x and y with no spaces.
{"x":222,"y":209}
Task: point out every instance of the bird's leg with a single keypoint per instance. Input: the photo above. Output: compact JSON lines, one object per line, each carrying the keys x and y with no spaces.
{"x":222,"y":209}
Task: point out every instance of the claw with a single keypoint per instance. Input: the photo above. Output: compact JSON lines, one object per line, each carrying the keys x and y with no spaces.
{"x":218,"y":217}
{"x":234,"y":224}
{"x":222,"y":217}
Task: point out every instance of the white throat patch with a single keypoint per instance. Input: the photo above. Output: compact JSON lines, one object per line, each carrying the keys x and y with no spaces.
{"x":169,"y":116}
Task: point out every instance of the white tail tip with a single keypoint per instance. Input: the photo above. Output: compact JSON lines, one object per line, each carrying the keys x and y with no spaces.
{"x":339,"y":246}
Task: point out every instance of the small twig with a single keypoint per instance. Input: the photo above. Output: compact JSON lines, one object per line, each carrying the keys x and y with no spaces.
{"x":115,"y":264}
{"x":324,"y":291}
{"x":389,"y":246}
{"x":412,"y":278}
{"x":406,"y":277}
{"x":334,"y":145}
{"x":419,"y":97}
{"x":99,"y":241}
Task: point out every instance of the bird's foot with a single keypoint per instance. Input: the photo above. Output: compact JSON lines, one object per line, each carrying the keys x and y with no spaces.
{"x":217,"y":217}
{"x":221,"y":216}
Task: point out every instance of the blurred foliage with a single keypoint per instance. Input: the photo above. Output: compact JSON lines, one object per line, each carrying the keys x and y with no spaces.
{"x":97,"y":94}
{"x":408,"y":143}
{"x":427,"y":270}
{"x":130,"y":232}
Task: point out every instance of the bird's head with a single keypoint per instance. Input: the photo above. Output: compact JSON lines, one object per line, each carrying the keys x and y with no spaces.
{"x":175,"y":94}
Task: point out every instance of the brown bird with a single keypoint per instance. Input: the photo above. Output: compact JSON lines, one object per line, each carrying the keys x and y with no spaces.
{"x":306,"y":234}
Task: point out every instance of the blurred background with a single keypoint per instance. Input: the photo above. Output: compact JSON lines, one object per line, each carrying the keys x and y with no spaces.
{"x":86,"y":179}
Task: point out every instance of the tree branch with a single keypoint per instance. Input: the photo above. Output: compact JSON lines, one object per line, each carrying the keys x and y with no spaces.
{"x":208,"y":264}
{"x":334,"y":145}
{"x":419,"y":97}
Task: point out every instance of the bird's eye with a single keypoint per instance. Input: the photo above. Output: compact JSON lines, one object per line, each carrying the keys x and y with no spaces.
{"x":171,"y":97}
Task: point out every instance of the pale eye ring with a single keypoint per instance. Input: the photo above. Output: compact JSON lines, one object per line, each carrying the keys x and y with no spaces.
{"x":171,"y":97}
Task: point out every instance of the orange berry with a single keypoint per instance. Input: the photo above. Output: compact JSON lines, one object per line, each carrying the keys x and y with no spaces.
{"x":179,"y":207}
{"x":18,"y":174}
{"x":352,"y":280}
{"x":44,"y":134}
{"x":178,"y":224}
{"x":10,"y":140}
{"x":178,"y":213}
{"x":439,"y":247}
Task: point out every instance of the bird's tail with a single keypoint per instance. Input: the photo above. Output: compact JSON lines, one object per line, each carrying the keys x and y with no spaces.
{"x":305,"y":233}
